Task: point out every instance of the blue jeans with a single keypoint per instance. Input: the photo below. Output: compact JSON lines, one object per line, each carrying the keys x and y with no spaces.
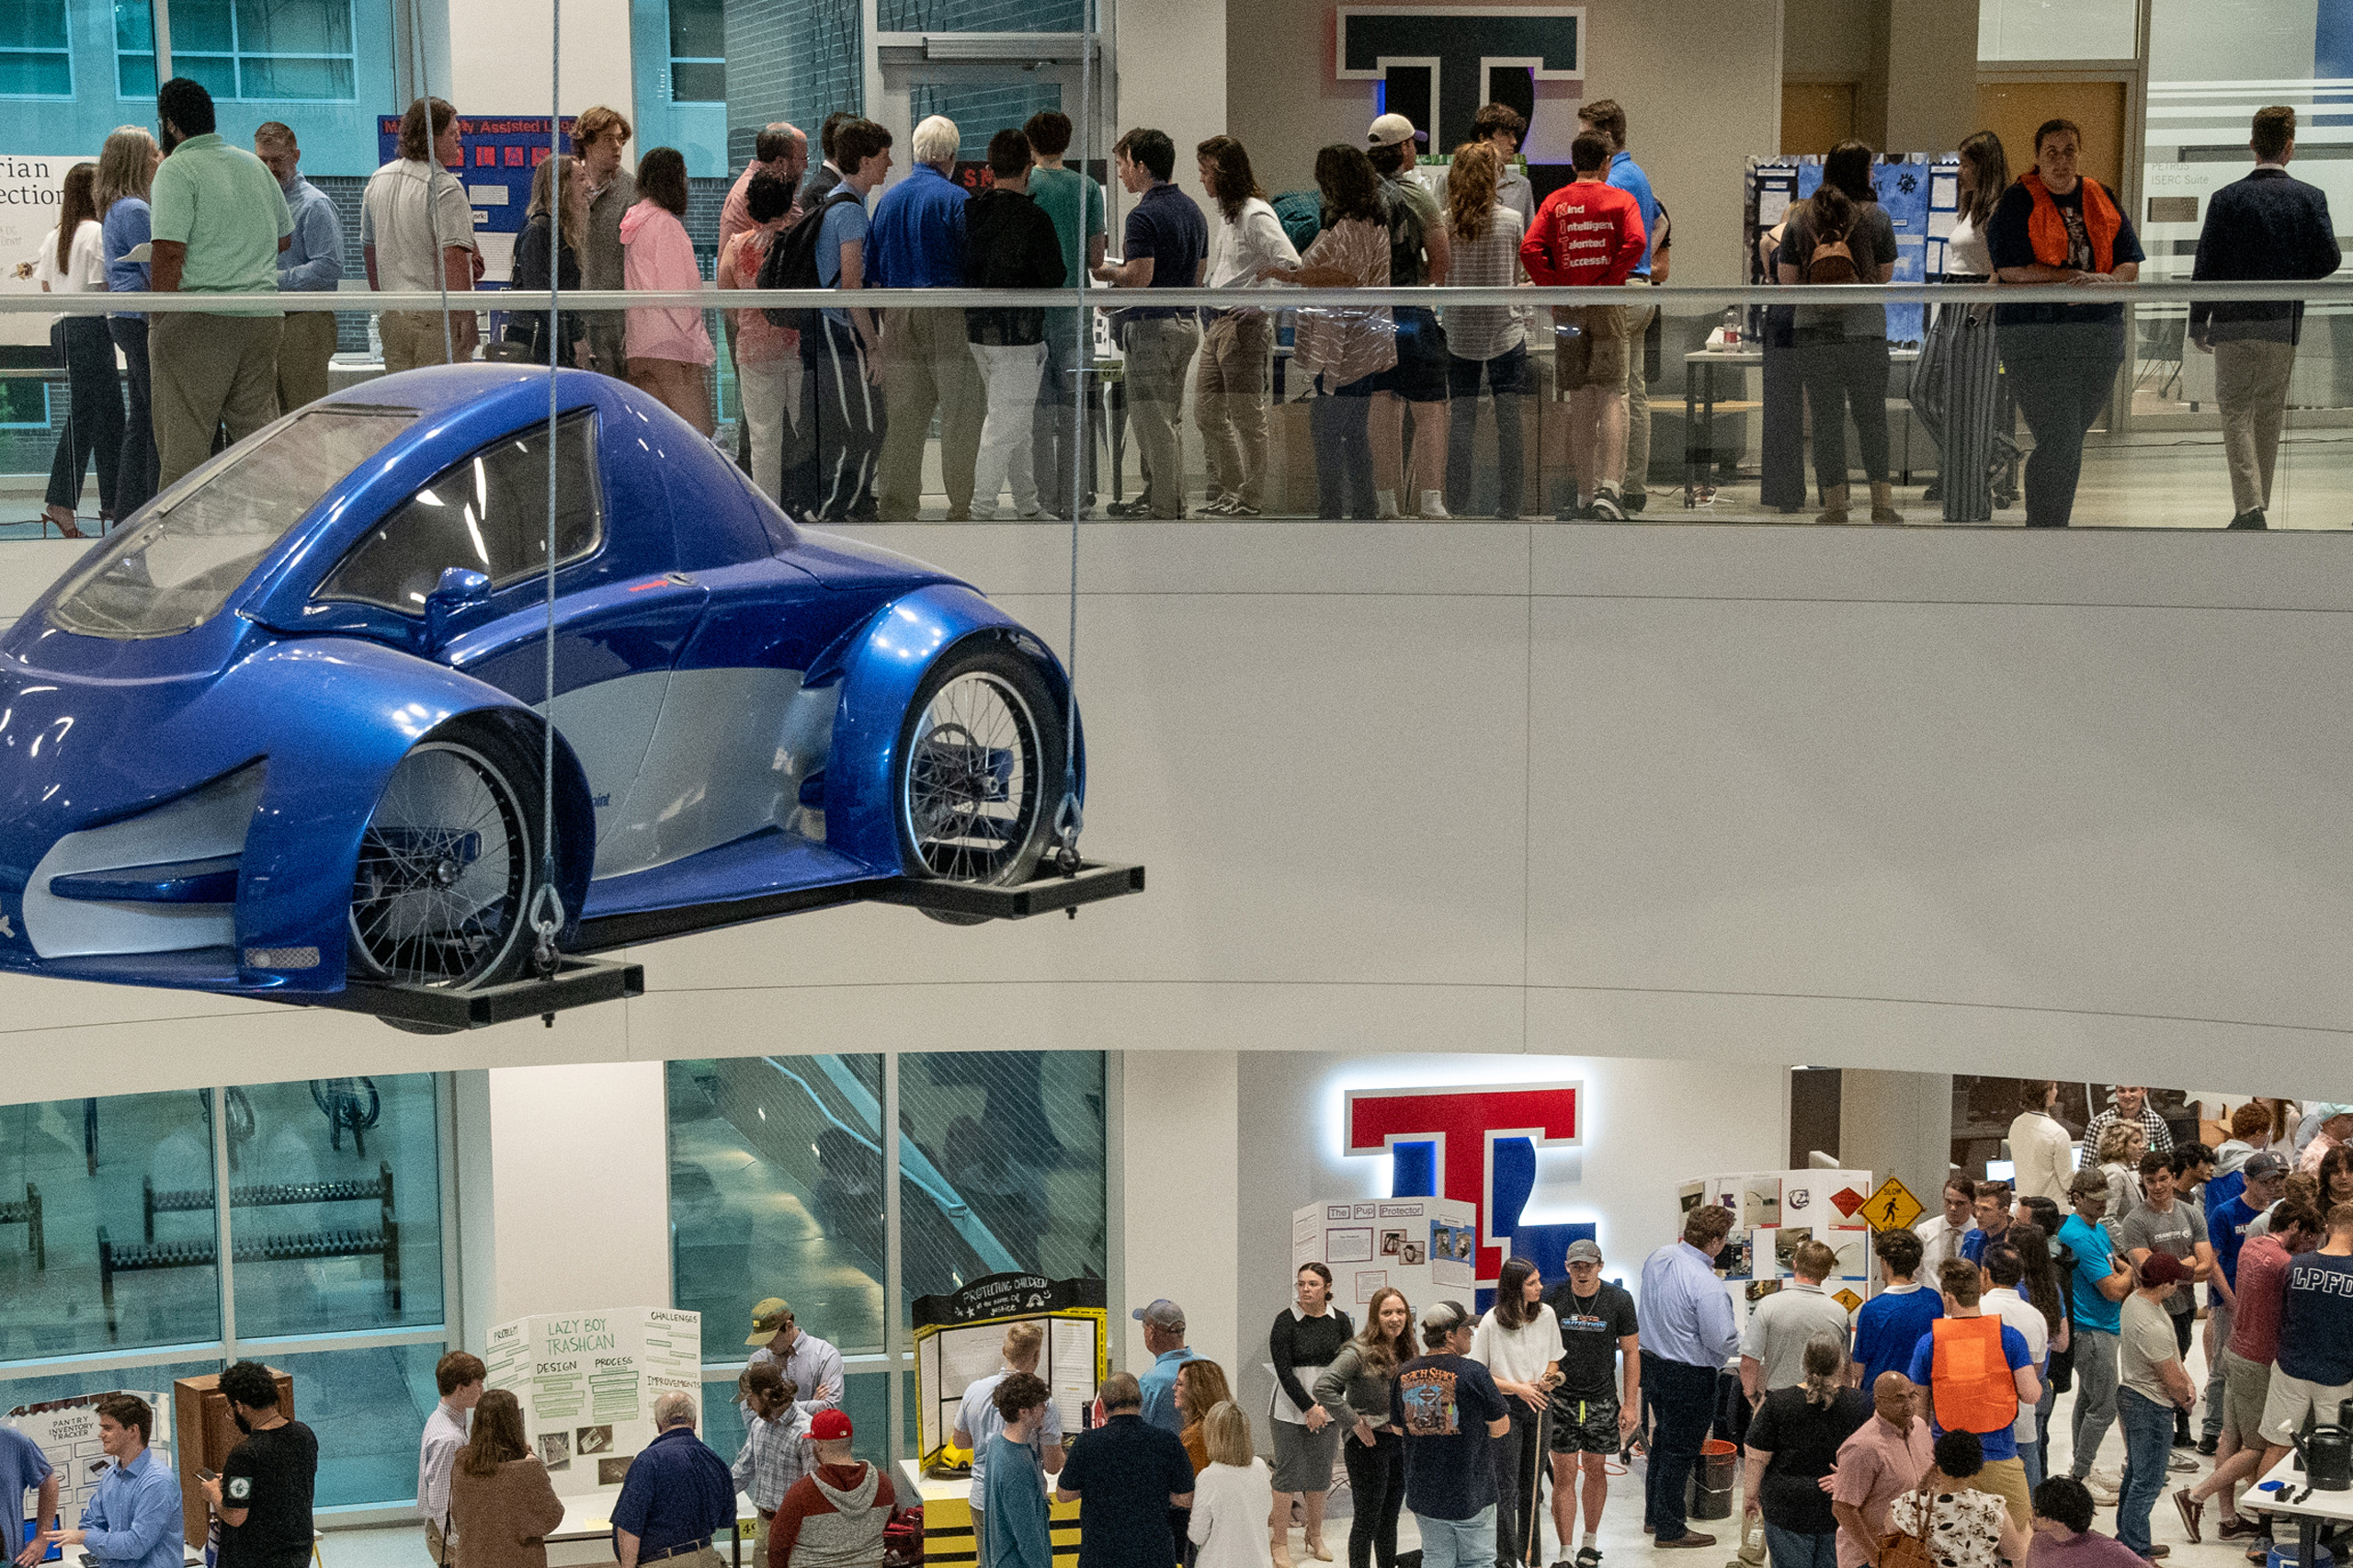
{"x":2148,"y":1446}
{"x":1458,"y":1543}
{"x":1802,"y":1548}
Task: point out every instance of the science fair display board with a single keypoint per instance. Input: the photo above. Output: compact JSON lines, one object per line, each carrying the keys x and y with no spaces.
{"x":587,"y":1381}
{"x":1773,"y":1214}
{"x":500,"y":154}
{"x":66,"y":1431}
{"x":960,"y":1339}
{"x":1919,"y":191}
{"x":1427,"y":1247}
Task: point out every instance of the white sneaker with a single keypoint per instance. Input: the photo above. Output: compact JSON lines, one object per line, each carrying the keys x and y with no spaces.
{"x":1384,"y":504}
{"x":1434,"y":503}
{"x":2101,"y":1493}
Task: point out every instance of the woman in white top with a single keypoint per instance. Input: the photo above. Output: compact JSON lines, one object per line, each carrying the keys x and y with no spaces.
{"x":1231,"y":1496}
{"x":72,"y":261}
{"x":1231,"y":380}
{"x":1483,"y":342}
{"x":1519,"y":1343}
{"x":1954,"y":385}
{"x":2042,"y":1153}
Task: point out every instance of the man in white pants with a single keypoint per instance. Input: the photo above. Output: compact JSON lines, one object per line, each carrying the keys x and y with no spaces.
{"x":1009,"y":243}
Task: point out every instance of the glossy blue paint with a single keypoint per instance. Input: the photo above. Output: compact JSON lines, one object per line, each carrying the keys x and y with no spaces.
{"x":694,"y":572}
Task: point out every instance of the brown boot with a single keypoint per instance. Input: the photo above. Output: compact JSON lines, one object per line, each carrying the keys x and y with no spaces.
{"x":1834,"y":505}
{"x":1883,"y":503}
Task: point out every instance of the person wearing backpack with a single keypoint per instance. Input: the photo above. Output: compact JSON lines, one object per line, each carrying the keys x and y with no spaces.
{"x":841,"y":377}
{"x":1841,"y":234}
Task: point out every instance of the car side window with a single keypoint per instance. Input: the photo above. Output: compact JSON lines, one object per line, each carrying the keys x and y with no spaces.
{"x":488,"y":513}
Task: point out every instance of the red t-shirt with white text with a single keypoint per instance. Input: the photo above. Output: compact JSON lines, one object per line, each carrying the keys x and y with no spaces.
{"x":1587,"y":234}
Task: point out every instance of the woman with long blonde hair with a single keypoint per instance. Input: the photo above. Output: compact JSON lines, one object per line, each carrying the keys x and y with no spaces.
{"x":1487,"y":342}
{"x":1355,"y":1388}
{"x":555,"y":228}
{"x":126,"y":172}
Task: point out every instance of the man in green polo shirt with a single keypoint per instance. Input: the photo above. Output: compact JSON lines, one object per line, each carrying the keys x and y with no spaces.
{"x":220,"y":222}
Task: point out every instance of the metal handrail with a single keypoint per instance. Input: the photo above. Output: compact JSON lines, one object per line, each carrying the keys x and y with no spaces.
{"x":710,"y":297}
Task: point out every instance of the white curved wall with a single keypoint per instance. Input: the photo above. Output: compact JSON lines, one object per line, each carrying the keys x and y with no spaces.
{"x":1914,"y":799}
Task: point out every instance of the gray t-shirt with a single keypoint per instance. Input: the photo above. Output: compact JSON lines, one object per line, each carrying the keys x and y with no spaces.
{"x":2176,"y":1230}
{"x":1873,"y":239}
{"x":1779,"y":1325}
{"x":2147,"y":1344}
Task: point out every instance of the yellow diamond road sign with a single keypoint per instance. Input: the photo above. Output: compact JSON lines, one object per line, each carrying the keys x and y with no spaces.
{"x":1892,"y":1208}
{"x":1848,"y":1300}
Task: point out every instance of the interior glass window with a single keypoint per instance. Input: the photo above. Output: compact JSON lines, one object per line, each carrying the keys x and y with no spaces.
{"x":488,"y":513}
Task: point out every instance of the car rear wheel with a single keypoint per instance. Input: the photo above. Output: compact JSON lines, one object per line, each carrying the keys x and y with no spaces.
{"x":448,"y":864}
{"x":980,"y":769}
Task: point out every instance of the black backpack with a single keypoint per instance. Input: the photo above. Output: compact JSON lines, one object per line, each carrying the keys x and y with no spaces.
{"x":792,"y":262}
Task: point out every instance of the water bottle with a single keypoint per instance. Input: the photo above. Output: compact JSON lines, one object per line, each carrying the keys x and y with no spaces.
{"x":1732,"y":326}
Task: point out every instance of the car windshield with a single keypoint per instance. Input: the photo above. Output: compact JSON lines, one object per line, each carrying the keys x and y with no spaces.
{"x":174,"y":571}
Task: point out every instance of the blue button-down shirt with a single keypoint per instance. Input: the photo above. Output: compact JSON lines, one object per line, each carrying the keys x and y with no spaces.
{"x":1159,"y":1385}
{"x":917,"y":240}
{"x":676,"y":1492}
{"x":128,"y":225}
{"x":312,"y":262}
{"x":134,"y":1519}
{"x":1627,"y":176}
{"x":1687,"y":1315}
{"x":23,"y":1467}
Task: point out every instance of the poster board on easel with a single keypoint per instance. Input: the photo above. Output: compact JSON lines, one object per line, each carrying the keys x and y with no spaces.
{"x":1775,"y":1212}
{"x":959,"y":1338}
{"x":587,"y":1381}
{"x":1919,"y":192}
{"x":1427,"y":1247}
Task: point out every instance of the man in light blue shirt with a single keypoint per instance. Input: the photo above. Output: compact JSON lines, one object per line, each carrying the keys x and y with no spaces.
{"x":24,"y":1468}
{"x":313,"y":264}
{"x":1688,"y":1336}
{"x":1163,"y":1336}
{"x":135,"y":1521}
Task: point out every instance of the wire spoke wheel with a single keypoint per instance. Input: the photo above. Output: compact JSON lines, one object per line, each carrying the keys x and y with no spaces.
{"x":444,"y":871}
{"x":974,"y":778}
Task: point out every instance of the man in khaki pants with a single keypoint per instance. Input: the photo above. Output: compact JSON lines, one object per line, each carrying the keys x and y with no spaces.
{"x":416,"y":233}
{"x":312,"y":264}
{"x":220,"y":224}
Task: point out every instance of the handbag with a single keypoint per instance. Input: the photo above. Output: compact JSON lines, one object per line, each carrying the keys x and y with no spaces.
{"x":1903,"y":1549}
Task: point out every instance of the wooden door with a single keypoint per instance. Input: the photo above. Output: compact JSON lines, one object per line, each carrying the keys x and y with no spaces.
{"x":1815,"y":115}
{"x":204,"y":1433}
{"x":2012,"y":110}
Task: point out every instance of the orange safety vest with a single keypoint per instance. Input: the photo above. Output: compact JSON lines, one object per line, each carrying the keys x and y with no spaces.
{"x":2046,"y":228}
{"x":1969,"y":1378}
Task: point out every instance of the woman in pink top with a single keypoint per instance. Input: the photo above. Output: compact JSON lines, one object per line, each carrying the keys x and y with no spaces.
{"x":767,"y":358}
{"x":669,"y":349}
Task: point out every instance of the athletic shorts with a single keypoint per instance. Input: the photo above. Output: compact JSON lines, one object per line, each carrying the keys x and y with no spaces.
{"x":1594,"y":355}
{"x":2289,"y":1400}
{"x":2244,"y":1386}
{"x":1584,"y":1425}
{"x":1420,"y":373}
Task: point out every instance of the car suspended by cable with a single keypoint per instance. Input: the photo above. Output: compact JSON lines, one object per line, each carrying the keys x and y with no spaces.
{"x":309,"y":726}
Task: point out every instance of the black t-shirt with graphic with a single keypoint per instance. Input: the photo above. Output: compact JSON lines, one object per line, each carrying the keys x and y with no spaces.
{"x":1591,"y":1327}
{"x":1443,"y":1404}
{"x":270,"y":1475}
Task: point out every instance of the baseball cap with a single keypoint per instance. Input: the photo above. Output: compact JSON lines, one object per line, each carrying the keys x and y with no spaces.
{"x":2263,"y":1162}
{"x":2163,"y":1268}
{"x":1391,"y":128}
{"x":1161,"y":1313}
{"x":2087,"y":1184}
{"x":2329,"y":1113}
{"x":767,"y":1318}
{"x":829,"y":1426}
{"x":1584,"y":1252}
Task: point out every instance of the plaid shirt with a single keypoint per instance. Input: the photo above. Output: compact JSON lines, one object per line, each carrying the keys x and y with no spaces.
{"x":2159,"y":1137}
{"x":775,"y":1454}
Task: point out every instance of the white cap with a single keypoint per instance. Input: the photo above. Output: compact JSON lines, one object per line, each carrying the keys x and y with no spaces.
{"x":1391,"y":128}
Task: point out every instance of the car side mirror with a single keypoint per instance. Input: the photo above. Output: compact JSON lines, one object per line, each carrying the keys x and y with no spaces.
{"x":460,"y":587}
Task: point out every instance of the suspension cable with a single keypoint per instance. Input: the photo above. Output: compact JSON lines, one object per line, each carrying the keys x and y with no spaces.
{"x":547,"y":904}
{"x":1070,"y":818}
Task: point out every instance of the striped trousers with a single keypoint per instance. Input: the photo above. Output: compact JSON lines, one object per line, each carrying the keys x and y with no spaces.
{"x":849,"y":418}
{"x":1953,"y":389}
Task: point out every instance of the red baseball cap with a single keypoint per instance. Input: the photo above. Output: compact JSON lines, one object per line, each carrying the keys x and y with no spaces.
{"x":829,"y":1426}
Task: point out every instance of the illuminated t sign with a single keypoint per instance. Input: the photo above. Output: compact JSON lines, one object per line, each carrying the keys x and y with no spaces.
{"x":1465,"y":1125}
{"x":1462,"y":49}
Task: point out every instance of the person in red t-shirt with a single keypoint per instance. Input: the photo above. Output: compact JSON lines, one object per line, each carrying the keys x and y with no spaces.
{"x":2296,"y":1227}
{"x":838,"y":1509}
{"x":1589,"y":234}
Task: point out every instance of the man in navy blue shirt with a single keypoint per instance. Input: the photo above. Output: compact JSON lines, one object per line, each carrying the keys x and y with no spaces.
{"x":1167,"y":243}
{"x":1128,"y":1477}
{"x":2268,"y":225}
{"x":918,"y":242}
{"x":677,"y":1495}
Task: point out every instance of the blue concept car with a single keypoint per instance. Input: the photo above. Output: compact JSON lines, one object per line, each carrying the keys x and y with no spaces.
{"x":284,"y":730}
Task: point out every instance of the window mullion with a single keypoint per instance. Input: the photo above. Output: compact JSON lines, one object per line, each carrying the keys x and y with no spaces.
{"x":894,"y":1336}
{"x":225,"y":1245}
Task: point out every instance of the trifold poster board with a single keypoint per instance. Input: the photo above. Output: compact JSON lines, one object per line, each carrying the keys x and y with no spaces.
{"x":1427,"y":1247}
{"x":1774,"y":1214}
{"x":587,"y":1381}
{"x":1919,"y":191}
{"x":960,"y":1339}
{"x":66,"y":1430}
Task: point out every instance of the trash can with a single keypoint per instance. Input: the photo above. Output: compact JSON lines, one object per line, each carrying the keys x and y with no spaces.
{"x":1709,"y":1495}
{"x":2284,"y":1556}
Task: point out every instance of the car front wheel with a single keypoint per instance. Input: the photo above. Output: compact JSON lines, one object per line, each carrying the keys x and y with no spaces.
{"x":980,"y":769}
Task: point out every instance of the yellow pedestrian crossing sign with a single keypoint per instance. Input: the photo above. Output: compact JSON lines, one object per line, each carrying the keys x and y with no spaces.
{"x":1847,"y":1299}
{"x":1892,"y":1208}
